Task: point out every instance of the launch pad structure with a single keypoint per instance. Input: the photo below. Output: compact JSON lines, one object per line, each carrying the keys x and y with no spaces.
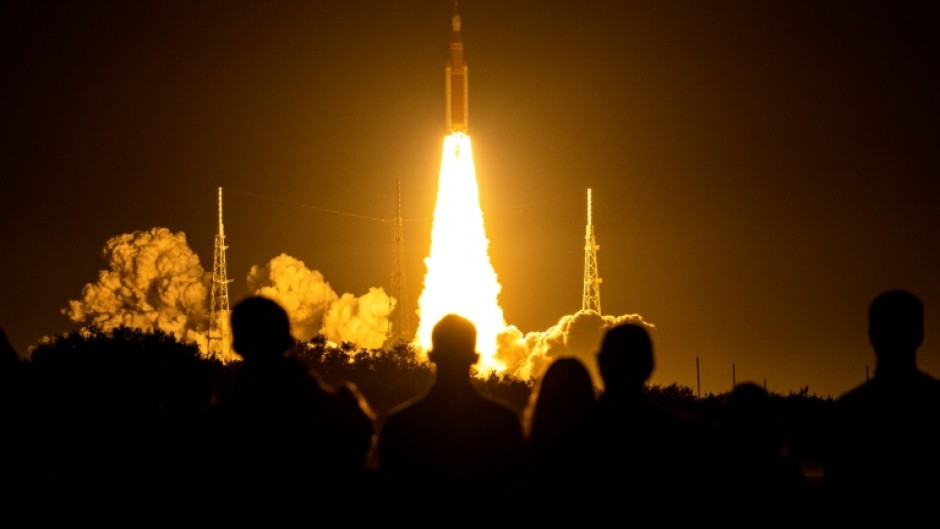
{"x":591,"y":293}
{"x":220,"y":329}
{"x":400,"y":326}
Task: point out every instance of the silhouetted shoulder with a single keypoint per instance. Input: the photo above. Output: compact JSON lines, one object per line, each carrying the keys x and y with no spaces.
{"x":918,"y":389}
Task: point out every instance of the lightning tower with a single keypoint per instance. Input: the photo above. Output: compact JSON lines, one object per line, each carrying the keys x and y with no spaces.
{"x":400,"y":330}
{"x":591,"y":295}
{"x":220,"y":335}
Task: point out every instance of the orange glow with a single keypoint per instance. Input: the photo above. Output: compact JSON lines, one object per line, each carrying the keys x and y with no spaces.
{"x":460,"y":277}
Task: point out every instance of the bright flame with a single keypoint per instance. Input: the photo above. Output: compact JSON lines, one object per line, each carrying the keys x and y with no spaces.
{"x":460,"y":278}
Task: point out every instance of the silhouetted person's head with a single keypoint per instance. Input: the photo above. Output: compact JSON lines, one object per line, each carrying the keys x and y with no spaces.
{"x":626,"y":358}
{"x":751,"y":421}
{"x":260,"y":330}
{"x":565,"y":391}
{"x":567,"y":380}
{"x":453,"y":345}
{"x":896,"y":329}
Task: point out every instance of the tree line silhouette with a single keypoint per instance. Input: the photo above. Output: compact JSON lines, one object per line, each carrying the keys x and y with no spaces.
{"x":385,"y":376}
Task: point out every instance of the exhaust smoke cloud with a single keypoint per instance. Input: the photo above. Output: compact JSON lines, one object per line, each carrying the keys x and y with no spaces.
{"x":315,"y":308}
{"x":154,"y":281}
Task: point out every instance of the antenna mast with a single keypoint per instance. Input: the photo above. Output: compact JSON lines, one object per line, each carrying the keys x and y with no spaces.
{"x":591,"y":295}
{"x":220,"y":335}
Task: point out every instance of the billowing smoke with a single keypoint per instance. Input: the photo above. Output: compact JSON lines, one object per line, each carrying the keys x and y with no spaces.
{"x":315,"y":308}
{"x":528,"y":355}
{"x":153,"y":281}
{"x":304,"y":293}
{"x":362,"y":320}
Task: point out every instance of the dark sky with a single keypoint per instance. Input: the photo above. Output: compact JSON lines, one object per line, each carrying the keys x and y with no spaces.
{"x":760,"y":169}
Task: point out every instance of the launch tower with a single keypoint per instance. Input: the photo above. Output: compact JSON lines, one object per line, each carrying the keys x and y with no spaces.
{"x":220,"y":335}
{"x":591,"y":295}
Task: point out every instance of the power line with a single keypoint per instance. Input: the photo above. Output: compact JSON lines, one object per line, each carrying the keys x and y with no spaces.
{"x":316,"y":208}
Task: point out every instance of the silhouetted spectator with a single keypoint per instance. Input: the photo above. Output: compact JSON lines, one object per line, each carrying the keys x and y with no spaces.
{"x":750,"y":466}
{"x":451,"y":449}
{"x":17,"y":478}
{"x":884,"y":456}
{"x":185,"y":389}
{"x":282,"y":435}
{"x":558,"y":425}
{"x":13,"y":384}
{"x":649,"y":455}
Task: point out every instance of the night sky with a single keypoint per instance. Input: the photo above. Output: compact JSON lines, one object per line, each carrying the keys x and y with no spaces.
{"x":760,"y":169}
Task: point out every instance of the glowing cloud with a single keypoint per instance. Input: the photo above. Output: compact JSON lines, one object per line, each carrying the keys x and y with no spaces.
{"x":315,"y":308}
{"x":527,"y":356}
{"x":362,"y":320}
{"x":153,"y":281}
{"x":303,"y":293}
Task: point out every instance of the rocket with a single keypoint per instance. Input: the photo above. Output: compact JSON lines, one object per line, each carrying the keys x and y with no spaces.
{"x":455,"y":80}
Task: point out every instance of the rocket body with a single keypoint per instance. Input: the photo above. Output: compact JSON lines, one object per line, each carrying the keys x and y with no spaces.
{"x":455,"y":79}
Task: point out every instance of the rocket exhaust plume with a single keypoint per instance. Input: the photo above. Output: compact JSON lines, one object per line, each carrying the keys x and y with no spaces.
{"x":460,"y":278}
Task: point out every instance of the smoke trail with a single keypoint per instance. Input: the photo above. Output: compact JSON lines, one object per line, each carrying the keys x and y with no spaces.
{"x":153,"y":281}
